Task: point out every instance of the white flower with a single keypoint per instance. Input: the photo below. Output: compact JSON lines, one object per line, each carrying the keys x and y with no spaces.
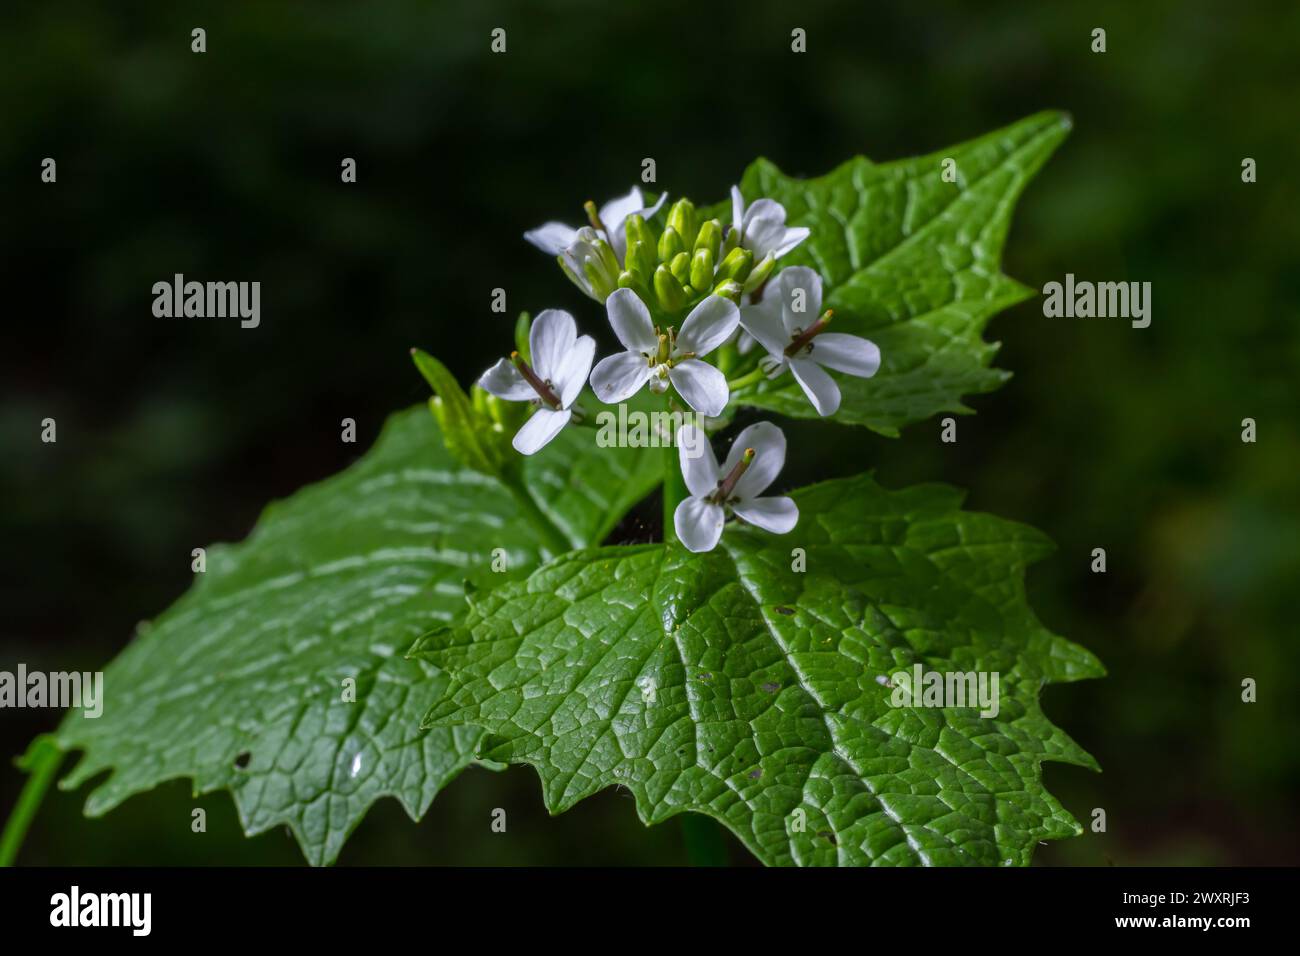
{"x":783,"y":324}
{"x":561,"y":361}
{"x":556,"y":237}
{"x":756,"y":458}
{"x":762,"y":229}
{"x":660,"y":357}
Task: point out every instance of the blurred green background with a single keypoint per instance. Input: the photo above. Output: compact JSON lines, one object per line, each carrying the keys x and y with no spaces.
{"x":174,"y":434}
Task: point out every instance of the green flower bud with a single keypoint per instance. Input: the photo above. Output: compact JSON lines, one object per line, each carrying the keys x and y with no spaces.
{"x":731,"y":240}
{"x":640,"y":245}
{"x":683,"y":220}
{"x":640,"y":259}
{"x":670,"y":292}
{"x":709,"y":237}
{"x":760,"y":273}
{"x":729,"y":289}
{"x":702,"y":270}
{"x":680,"y":267}
{"x":637,"y":282}
{"x":670,"y":244}
{"x":737,"y":265}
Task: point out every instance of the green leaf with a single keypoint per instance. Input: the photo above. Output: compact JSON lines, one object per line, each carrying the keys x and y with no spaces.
{"x":914,"y":264}
{"x":240,"y":685}
{"x":730,"y":684}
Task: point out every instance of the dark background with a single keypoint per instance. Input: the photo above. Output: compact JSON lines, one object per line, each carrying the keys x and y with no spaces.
{"x":175,"y":433}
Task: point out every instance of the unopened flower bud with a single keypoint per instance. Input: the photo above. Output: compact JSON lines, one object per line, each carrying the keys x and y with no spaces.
{"x":729,"y":289}
{"x":669,"y":291}
{"x":702,"y":270}
{"x":737,"y":265}
{"x":680,"y":267}
{"x":759,"y":274}
{"x":683,"y":220}
{"x":640,"y":245}
{"x":670,"y":244}
{"x":709,"y":237}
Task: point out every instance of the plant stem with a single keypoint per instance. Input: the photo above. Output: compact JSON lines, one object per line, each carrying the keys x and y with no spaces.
{"x":752,"y":378}
{"x":552,"y":537}
{"x":674,"y":492}
{"x":42,"y":763}
{"x":674,"y":484}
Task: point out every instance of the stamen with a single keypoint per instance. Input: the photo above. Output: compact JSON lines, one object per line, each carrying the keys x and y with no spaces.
{"x":728,"y":484}
{"x":808,"y":334}
{"x":543,"y":390}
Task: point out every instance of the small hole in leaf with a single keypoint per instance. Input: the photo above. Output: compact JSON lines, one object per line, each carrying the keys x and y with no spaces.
{"x":756,"y":773}
{"x":771,"y":688}
{"x":782,"y":609}
{"x":242,"y":760}
{"x":827,"y":834}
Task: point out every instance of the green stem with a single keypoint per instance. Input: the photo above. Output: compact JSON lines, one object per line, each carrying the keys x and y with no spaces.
{"x":753,"y":378}
{"x":674,"y":491}
{"x":42,"y":763}
{"x":552,"y":537}
{"x":674,"y":484}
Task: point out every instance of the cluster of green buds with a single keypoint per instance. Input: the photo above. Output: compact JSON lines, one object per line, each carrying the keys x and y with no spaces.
{"x":670,"y":270}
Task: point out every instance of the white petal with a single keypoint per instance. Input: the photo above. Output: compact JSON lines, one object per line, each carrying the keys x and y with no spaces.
{"x":708,"y":325}
{"x":817,"y":385}
{"x":702,"y":386}
{"x":649,"y":212}
{"x":745,"y":344}
{"x":504,"y":381}
{"x":793,"y":236}
{"x":550,"y":340}
{"x":552,"y":237}
{"x":737,"y":209}
{"x":619,"y":208}
{"x":544,"y":425}
{"x":698,"y":524}
{"x":577,"y":366}
{"x":802,"y":287}
{"x":762,"y":211}
{"x":846,"y":353}
{"x":617,"y":221}
{"x":631,"y":321}
{"x":768,"y":443}
{"x":699,"y":466}
{"x":619,"y":377}
{"x":777,"y":515}
{"x":763,"y":322}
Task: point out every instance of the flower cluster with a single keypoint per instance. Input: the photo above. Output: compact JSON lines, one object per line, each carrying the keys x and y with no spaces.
{"x":673,"y":297}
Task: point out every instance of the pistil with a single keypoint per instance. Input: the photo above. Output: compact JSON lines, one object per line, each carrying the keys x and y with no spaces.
{"x":728,"y":484}
{"x":544,"y":391}
{"x":808,"y":334}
